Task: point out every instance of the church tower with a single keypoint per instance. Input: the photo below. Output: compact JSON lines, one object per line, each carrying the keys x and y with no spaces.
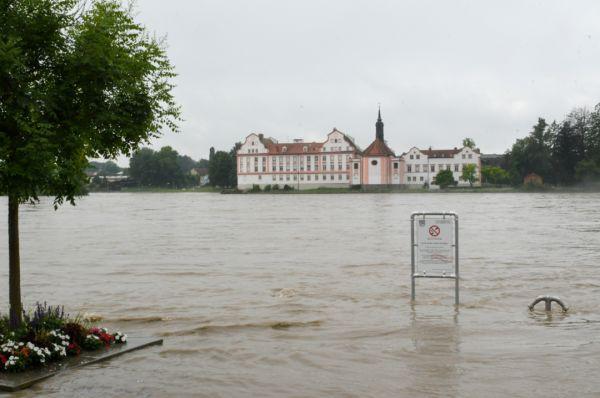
{"x":379,"y":127}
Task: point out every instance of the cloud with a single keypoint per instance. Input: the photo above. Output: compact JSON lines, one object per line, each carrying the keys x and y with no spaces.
{"x":441,"y":70}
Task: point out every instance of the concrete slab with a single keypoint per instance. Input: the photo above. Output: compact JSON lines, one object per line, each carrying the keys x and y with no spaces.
{"x":19,"y":381}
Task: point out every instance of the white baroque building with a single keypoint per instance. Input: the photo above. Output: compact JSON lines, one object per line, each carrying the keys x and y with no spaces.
{"x":423,"y":164}
{"x":301,"y":165}
{"x":339,"y":162}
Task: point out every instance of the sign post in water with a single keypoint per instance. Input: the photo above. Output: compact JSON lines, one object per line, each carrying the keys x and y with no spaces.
{"x":434,"y":247}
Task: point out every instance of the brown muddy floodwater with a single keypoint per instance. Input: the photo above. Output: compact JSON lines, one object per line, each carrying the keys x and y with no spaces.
{"x":308,"y":295}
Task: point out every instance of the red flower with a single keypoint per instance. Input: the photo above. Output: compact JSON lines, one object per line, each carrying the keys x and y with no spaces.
{"x":73,"y":349}
{"x":3,"y":359}
{"x":106,"y":338}
{"x":95,"y":331}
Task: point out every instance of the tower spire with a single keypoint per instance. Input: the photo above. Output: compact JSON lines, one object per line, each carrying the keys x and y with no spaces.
{"x":379,"y":126}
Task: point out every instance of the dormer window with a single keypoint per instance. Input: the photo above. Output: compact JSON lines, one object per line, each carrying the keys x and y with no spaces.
{"x":284,"y":149}
{"x":305,"y":149}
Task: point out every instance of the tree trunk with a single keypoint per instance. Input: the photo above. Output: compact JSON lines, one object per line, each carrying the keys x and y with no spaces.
{"x":14,"y":264}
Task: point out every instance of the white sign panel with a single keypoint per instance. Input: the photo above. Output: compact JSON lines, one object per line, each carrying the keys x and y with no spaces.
{"x":435,"y":247}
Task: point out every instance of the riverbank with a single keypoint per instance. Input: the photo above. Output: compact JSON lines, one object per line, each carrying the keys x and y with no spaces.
{"x":350,"y":190}
{"x":543,"y":189}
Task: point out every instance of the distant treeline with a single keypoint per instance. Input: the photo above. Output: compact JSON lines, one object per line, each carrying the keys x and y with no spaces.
{"x":562,"y":153}
{"x":164,"y":168}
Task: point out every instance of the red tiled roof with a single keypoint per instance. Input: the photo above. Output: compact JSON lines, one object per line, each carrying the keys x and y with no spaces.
{"x":292,"y":147}
{"x":440,"y":153}
{"x":378,"y":148}
{"x":443,"y":153}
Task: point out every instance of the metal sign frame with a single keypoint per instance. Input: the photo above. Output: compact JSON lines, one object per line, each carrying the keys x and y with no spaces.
{"x":413,"y":275}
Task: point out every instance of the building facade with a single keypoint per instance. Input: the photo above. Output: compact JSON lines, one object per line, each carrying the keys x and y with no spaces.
{"x":377,"y":165}
{"x":301,"y":165}
{"x":339,"y":162}
{"x":421,"y":165}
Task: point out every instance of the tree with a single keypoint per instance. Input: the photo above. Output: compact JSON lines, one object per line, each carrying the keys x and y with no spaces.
{"x":567,"y":151}
{"x":469,"y":173}
{"x":533,"y":154}
{"x":469,"y":142}
{"x":494,"y":175}
{"x":163,"y":168}
{"x":592,"y":136}
{"x":444,"y":178}
{"x":78,"y":79}
{"x":219,"y":169}
{"x":587,"y":170}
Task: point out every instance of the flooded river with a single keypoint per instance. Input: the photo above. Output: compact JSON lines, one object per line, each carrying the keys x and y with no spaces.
{"x":309,"y":295}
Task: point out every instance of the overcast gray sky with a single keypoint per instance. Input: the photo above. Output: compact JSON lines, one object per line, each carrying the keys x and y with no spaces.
{"x":442,"y":70}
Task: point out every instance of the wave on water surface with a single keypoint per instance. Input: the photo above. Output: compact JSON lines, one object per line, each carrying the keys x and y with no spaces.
{"x":278,"y":325}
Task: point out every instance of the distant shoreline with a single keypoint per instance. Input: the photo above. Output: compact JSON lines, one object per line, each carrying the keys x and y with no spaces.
{"x":321,"y":191}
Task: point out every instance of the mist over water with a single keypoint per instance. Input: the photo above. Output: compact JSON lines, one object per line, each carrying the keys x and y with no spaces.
{"x":309,"y":295}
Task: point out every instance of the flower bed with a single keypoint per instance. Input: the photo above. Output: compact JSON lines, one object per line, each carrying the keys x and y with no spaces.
{"x":49,"y":335}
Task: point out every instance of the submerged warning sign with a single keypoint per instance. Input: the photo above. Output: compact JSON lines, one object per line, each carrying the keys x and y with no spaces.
{"x":435,"y":247}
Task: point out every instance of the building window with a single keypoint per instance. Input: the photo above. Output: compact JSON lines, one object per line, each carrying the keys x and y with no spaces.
{"x":455,"y":167}
{"x":421,"y":178}
{"x":308,"y":177}
{"x":417,"y":168}
{"x":259,"y":177}
{"x":374,"y":162}
{"x":470,"y":156}
{"x":396,"y":165}
{"x":273,"y":177}
{"x":284,"y":149}
{"x":447,"y":167}
{"x":295,"y":177}
{"x":463,"y":155}
{"x":331,"y":177}
{"x":308,"y":167}
{"x":433,"y":168}
{"x":280,"y":178}
{"x":316,"y":177}
{"x":418,"y":156}
{"x":409,"y":168}
{"x":339,"y":165}
{"x":305,"y":149}
{"x":412,"y":156}
{"x":287,"y":177}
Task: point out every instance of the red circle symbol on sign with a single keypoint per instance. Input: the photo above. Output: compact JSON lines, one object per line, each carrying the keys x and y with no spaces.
{"x":434,"y":230}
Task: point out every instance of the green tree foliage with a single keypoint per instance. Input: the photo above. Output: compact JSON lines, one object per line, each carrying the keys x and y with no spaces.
{"x":587,"y":170}
{"x":469,"y":142}
{"x":494,"y":175}
{"x":163,"y":168}
{"x":469,"y":173}
{"x":104,"y":168}
{"x":78,"y":80}
{"x":222,"y":167}
{"x":444,"y":178}
{"x":221,"y":170}
{"x":533,"y":154}
{"x":592,"y":136}
{"x":567,"y":152}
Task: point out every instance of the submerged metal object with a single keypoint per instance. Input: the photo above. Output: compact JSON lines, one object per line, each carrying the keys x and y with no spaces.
{"x":548,"y":301}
